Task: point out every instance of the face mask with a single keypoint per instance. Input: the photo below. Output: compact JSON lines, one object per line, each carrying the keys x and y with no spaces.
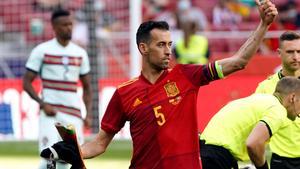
{"x":292,"y":13}
{"x":99,"y":5}
{"x":183,"y":5}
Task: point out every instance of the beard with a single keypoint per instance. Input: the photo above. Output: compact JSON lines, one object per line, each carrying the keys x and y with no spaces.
{"x":160,"y":67}
{"x":67,"y":36}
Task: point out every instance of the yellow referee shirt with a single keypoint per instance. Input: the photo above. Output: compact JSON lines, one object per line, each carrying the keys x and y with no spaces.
{"x":269,"y":85}
{"x":231,"y":126}
{"x":286,"y":142}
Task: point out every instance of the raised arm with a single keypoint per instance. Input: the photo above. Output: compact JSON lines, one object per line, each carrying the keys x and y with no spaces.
{"x":240,"y":59}
{"x":96,"y":146}
{"x":256,"y":145}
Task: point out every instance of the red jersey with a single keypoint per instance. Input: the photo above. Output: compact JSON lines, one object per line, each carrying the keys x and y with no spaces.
{"x":162,"y":116}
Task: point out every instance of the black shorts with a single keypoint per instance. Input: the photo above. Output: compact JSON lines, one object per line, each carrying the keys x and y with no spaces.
{"x":278,"y":162}
{"x":216,"y":157}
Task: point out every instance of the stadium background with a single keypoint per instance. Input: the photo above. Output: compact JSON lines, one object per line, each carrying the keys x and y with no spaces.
{"x":106,"y":29}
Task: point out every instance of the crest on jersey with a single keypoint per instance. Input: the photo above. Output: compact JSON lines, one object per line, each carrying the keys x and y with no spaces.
{"x":171,"y":89}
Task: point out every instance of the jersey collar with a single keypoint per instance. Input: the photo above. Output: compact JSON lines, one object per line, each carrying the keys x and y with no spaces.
{"x":280,"y":75}
{"x":161,"y":77}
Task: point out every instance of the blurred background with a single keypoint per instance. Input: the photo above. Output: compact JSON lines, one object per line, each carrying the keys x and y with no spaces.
{"x":106,"y":28}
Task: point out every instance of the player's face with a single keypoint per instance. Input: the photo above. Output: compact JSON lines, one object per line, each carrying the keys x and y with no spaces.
{"x":158,"y":53}
{"x":290,"y":55}
{"x":63,"y":27}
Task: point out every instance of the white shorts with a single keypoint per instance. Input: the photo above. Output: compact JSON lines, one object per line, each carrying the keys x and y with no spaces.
{"x":48,"y":134}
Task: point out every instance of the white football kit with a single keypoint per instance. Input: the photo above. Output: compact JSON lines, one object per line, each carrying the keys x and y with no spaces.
{"x":59,"y":68}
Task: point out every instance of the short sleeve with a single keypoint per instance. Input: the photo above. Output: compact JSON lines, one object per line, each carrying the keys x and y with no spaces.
{"x":268,"y":86}
{"x":276,"y":118}
{"x":114,"y":118}
{"x":85,"y":66}
{"x":201,"y":74}
{"x":259,"y":89}
{"x":35,"y":59}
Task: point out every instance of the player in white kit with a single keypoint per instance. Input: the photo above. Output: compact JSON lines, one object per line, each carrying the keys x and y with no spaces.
{"x":60,"y":65}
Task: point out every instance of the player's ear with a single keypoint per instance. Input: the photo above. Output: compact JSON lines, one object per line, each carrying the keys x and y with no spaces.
{"x":292,"y":98}
{"x":293,"y":101}
{"x":143,"y":48}
{"x":278,"y":51}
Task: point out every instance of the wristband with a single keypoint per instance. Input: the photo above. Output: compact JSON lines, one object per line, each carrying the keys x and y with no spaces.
{"x":265,"y":166}
{"x":219,"y":70}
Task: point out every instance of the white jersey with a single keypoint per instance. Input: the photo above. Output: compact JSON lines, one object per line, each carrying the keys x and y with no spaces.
{"x":60,"y":68}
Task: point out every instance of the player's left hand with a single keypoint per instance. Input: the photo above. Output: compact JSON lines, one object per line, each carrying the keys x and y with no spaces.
{"x":88,"y":121}
{"x":48,"y":109}
{"x":63,"y":151}
{"x":267,"y":10}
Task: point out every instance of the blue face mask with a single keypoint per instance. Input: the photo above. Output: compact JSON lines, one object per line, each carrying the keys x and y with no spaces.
{"x":183,"y":5}
{"x":292,"y":13}
{"x":99,"y":5}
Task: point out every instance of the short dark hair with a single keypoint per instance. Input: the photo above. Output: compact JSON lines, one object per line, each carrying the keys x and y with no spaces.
{"x":58,"y":13}
{"x":143,"y":32}
{"x":287,"y":85}
{"x":289,"y":36}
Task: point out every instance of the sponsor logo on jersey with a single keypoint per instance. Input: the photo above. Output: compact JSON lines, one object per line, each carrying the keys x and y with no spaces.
{"x":175,"y":100}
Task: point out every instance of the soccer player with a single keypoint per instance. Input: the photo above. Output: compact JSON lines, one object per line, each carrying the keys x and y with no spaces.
{"x":285,"y":146}
{"x":244,"y":126}
{"x":160,"y":104}
{"x":60,"y":64}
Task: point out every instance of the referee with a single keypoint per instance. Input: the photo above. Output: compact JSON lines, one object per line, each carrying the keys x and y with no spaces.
{"x":285,"y":145}
{"x":242,"y":128}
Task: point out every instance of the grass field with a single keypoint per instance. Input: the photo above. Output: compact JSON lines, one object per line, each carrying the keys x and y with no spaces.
{"x":14,"y":155}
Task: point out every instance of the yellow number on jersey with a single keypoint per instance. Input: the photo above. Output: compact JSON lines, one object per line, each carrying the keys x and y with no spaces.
{"x":159,"y":116}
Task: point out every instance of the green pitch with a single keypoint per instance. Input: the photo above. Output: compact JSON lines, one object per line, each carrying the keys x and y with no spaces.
{"x":25,"y":155}
{"x":32,"y":163}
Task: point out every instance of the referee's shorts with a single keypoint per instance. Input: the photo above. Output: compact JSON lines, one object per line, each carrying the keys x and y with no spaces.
{"x":216,"y":157}
{"x":279,"y":162}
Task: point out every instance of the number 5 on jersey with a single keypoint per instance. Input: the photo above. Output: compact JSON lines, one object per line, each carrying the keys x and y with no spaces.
{"x":160,"y":118}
